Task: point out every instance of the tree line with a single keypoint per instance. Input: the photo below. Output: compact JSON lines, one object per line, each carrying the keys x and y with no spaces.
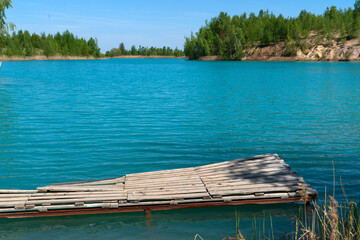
{"x":144,"y":51}
{"x":230,"y":36}
{"x":22,"y":43}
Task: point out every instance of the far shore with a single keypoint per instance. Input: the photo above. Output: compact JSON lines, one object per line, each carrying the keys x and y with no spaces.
{"x":41,"y":57}
{"x":148,"y":57}
{"x":206,"y":58}
{"x":274,"y":59}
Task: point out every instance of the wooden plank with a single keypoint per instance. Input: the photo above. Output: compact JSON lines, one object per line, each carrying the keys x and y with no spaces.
{"x":11,"y":195}
{"x":179,"y":188}
{"x":254,"y":158}
{"x":113,"y":186}
{"x":74,"y":200}
{"x":234,"y":167}
{"x":170,"y":179}
{"x":48,"y":197}
{"x":80,"y":188}
{"x":163,"y":176}
{"x":234,"y":191}
{"x":166,"y":197}
{"x":239,"y":177}
{"x":237,"y":182}
{"x":93,"y":182}
{"x":165,"y":188}
{"x":12,"y":203}
{"x":272,"y":177}
{"x":254,"y":185}
{"x":236,"y":172}
{"x":184,"y":183}
{"x":176,"y":182}
{"x":13,"y":199}
{"x":157,"y":193}
{"x":4,"y":191}
{"x":42,"y":194}
{"x":237,"y":161}
{"x":242,"y":165}
{"x":266,"y":195}
{"x":160,"y":173}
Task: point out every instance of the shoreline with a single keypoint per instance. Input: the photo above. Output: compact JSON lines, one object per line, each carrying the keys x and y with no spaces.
{"x":44,"y":58}
{"x":216,"y":58}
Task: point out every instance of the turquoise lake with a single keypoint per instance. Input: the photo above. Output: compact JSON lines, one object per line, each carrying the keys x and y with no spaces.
{"x":64,"y":121}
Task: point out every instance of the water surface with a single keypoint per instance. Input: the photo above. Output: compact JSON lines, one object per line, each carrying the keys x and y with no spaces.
{"x":81,"y":120}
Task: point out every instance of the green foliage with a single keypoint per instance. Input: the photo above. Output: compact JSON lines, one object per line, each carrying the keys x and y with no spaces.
{"x":49,"y":49}
{"x":5,"y":27}
{"x":22,"y":43}
{"x":228,"y":36}
{"x":122,"y":48}
{"x":133,"y":50}
{"x":347,"y":55}
{"x":290,"y":50}
{"x":357,"y":7}
{"x":144,"y":51}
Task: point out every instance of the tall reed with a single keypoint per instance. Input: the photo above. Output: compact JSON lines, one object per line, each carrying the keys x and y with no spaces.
{"x":327,"y":221}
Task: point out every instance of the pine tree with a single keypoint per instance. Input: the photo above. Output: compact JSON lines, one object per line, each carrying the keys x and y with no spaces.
{"x":122,"y":49}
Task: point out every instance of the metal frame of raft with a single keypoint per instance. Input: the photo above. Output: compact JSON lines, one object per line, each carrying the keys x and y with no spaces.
{"x":262,"y":179}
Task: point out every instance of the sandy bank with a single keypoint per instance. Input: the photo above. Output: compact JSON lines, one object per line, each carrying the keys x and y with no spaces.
{"x":150,"y":57}
{"x":39,"y":57}
{"x":17,"y":58}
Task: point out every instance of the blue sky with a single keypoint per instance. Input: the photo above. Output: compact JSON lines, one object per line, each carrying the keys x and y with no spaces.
{"x":146,"y":22}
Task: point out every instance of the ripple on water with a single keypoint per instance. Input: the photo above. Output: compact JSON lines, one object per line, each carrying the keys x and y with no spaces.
{"x":80,"y":120}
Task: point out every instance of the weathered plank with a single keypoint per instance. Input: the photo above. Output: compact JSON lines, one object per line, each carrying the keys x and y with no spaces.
{"x":94,"y":182}
{"x":164,"y":180}
{"x":231,"y":165}
{"x":250,"y":181}
{"x":240,"y":177}
{"x":3,"y":191}
{"x":239,"y":161}
{"x":11,"y":195}
{"x":79,"y":199}
{"x":48,"y":197}
{"x":12,"y":203}
{"x":233,"y":191}
{"x":260,"y":179}
{"x":252,"y":186}
{"x":180,"y":171}
{"x":79,"y":188}
{"x":162,"y":192}
{"x":132,"y":197}
{"x":238,"y":167}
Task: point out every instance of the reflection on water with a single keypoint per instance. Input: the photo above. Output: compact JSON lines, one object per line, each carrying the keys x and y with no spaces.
{"x":210,"y":223}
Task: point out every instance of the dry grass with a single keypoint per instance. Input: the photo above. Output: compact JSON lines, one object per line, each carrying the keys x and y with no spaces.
{"x":329,"y":221}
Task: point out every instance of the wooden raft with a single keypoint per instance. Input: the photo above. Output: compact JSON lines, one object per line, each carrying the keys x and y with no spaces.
{"x":262,"y":179}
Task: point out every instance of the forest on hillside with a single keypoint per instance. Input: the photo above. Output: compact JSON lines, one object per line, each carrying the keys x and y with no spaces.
{"x":144,"y":51}
{"x":230,"y":36}
{"x":24,"y":44}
